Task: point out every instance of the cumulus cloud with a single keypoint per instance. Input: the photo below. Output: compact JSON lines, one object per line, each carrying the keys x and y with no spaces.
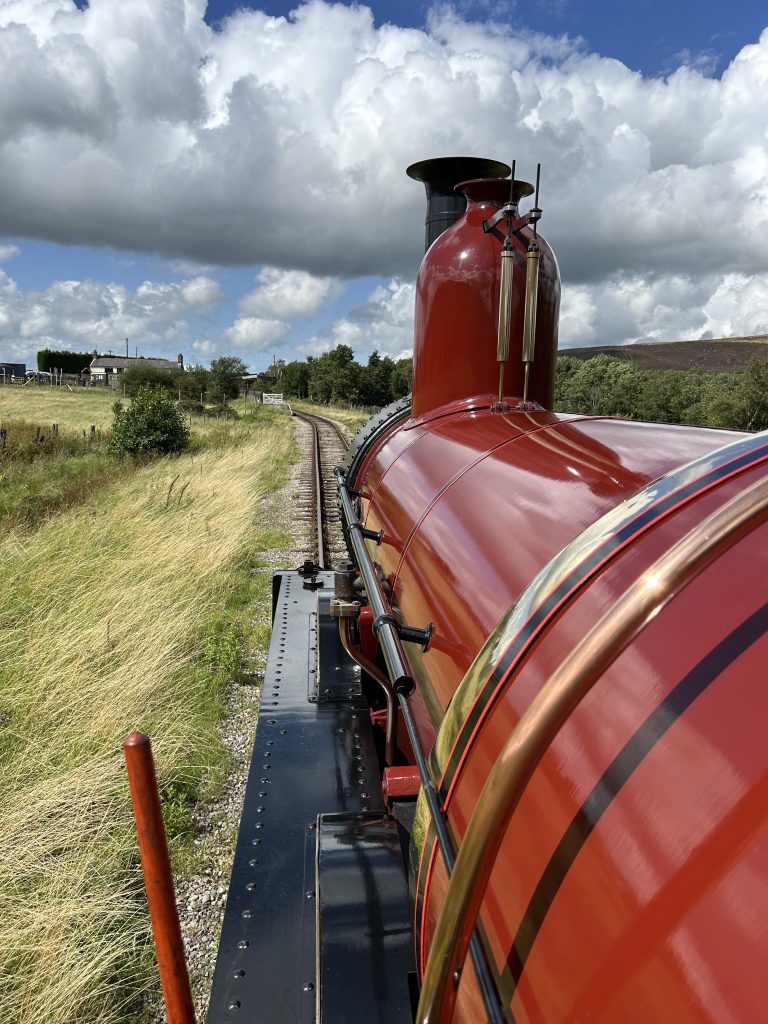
{"x":257,"y":333}
{"x":281,"y":141}
{"x":289,"y":294}
{"x":384,"y":322}
{"x":630,"y":307}
{"x":94,"y":314}
{"x":7,"y":252}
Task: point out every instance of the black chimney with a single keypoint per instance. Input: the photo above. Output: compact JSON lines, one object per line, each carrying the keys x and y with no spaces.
{"x":440,"y":177}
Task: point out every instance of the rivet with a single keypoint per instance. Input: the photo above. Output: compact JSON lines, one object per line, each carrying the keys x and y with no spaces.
{"x":309,"y":895}
{"x":264,"y":793}
{"x":247,"y":913}
{"x":243,"y":944}
{"x":366,"y":808}
{"x":309,"y":987}
{"x":252,"y":863}
{"x":270,"y":743}
{"x":266,"y":767}
{"x":252,"y":885}
{"x":255,"y":842}
{"x":260,"y":810}
{"x":364,"y":796}
{"x":235,"y":1005}
{"x":259,"y":824}
{"x":283,"y":732}
{"x":238,"y":974}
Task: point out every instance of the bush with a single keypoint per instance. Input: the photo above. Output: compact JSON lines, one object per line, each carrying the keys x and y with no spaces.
{"x":152,"y":424}
{"x":191,"y":407}
{"x":146,"y":375}
{"x":225,"y":412}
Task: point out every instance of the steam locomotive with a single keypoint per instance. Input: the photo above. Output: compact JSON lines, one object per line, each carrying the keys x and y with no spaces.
{"x":511,"y":762}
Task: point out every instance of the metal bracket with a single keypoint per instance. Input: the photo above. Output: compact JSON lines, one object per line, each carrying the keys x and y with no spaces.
{"x":344,"y":609}
{"x":411,"y":634}
{"x":365,"y":532}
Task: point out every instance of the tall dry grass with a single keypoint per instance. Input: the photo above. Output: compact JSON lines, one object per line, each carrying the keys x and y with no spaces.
{"x":102,"y":619}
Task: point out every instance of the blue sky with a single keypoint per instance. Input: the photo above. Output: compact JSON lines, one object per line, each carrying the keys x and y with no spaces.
{"x":230,"y":178}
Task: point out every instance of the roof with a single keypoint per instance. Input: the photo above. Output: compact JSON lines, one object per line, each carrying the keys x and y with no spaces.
{"x":125,"y":362}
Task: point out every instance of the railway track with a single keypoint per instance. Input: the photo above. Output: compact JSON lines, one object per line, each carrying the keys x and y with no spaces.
{"x":328,"y":443}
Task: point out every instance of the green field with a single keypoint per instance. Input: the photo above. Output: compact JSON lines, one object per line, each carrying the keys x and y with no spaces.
{"x":128,"y":610}
{"x":43,"y":405}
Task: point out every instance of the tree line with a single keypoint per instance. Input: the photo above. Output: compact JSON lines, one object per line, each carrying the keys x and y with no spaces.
{"x":607,"y":386}
{"x":336,"y":378}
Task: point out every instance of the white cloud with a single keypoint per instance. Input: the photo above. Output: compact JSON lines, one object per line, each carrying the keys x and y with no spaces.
{"x":384,"y":322}
{"x":256,"y":333}
{"x":96,"y":314}
{"x":7,"y":252}
{"x":629,"y":308}
{"x":283,"y":141}
{"x":289,"y":294}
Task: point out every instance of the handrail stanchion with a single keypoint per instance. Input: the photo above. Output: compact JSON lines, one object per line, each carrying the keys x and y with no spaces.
{"x":156,"y":864}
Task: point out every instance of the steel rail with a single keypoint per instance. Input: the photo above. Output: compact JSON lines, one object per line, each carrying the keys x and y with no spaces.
{"x":317,"y":487}
{"x":544,"y":718}
{"x":317,"y":479}
{"x":403,"y":684}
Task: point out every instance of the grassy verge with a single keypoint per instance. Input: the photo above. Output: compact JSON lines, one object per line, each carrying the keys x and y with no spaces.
{"x":349,"y":417}
{"x":118,"y":615}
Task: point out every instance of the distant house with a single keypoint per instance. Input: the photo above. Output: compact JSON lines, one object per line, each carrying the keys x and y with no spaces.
{"x":107,"y":369}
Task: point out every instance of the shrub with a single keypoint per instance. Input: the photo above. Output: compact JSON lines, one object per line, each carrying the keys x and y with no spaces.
{"x":145,"y":375}
{"x":225,"y":412}
{"x":152,"y":424}
{"x":191,"y":407}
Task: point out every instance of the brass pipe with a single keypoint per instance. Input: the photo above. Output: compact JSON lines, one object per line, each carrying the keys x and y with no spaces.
{"x":373,"y":670}
{"x":531,"y":305}
{"x":544,"y":718}
{"x":505,"y":312}
{"x":156,"y":864}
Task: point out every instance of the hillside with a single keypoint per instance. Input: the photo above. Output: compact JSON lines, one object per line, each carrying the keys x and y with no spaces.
{"x":716,"y":355}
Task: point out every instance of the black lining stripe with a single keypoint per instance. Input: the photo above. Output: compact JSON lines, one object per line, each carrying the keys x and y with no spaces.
{"x":613,"y":779}
{"x":575,"y":579}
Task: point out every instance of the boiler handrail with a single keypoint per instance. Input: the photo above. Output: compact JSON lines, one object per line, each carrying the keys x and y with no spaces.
{"x":544,"y":718}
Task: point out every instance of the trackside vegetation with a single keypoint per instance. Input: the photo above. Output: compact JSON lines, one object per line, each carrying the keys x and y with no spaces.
{"x":131,"y":610}
{"x":152,"y":423}
{"x":606,"y":386}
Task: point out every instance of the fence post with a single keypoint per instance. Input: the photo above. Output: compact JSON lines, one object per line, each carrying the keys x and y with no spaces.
{"x":169,"y":945}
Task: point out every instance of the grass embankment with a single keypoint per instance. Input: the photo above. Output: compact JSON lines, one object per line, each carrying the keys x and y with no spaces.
{"x":38,"y":478}
{"x":351,"y":418}
{"x":118,"y":615}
